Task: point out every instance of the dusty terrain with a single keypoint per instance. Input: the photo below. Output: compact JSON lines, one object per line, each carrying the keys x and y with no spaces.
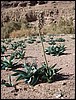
{"x":64,"y":85}
{"x":53,"y":11}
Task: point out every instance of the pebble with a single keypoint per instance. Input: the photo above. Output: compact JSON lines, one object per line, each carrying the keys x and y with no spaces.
{"x":25,"y":88}
{"x":62,"y":98}
{"x":63,"y":83}
{"x":66,"y":64}
{"x":15,"y":94}
{"x":18,"y":87}
{"x":30,"y":86}
{"x":12,"y":90}
{"x":71,"y":36}
{"x":58,"y":95}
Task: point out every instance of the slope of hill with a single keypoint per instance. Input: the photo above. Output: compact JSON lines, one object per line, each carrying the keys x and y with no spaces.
{"x":27,"y":11}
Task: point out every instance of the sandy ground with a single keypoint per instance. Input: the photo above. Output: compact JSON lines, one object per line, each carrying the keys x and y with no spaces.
{"x":62,"y":88}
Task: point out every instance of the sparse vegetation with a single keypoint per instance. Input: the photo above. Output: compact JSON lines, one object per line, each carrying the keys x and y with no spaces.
{"x":9,"y":27}
{"x":52,"y":42}
{"x":31,"y":40}
{"x":19,"y":54}
{"x":6,"y":83}
{"x":23,"y":67}
{"x":8,"y":63}
{"x":64,"y":26}
{"x":32,"y":75}
{"x":3,"y":49}
{"x":60,"y":40}
{"x":55,"y":50}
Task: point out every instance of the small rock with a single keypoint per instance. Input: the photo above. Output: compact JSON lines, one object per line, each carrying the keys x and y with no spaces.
{"x":62,"y":98}
{"x":71,"y":36}
{"x":25,"y":88}
{"x":66,"y":64}
{"x":58,"y":95}
{"x":30,"y":86}
{"x":15,"y":94}
{"x":64,"y":83}
{"x":3,"y":81}
{"x":13,"y":90}
{"x":18,"y":87}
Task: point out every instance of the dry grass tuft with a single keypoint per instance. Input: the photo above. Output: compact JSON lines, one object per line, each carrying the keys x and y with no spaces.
{"x":19,"y":29}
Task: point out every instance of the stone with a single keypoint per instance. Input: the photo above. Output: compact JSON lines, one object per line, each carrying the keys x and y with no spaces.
{"x":58,"y":95}
{"x":63,"y":83}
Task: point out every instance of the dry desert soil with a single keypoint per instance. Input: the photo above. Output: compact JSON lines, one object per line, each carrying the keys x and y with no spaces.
{"x":64,"y":85}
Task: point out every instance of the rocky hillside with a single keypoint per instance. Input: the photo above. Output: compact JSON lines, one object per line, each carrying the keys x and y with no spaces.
{"x":27,"y":11}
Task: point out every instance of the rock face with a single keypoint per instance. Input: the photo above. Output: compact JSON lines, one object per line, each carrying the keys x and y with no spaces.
{"x":28,"y":10}
{"x":8,"y":4}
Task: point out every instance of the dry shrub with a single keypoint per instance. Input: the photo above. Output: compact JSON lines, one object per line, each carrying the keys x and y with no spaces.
{"x":19,"y":29}
{"x":64,"y":26}
{"x":22,"y":32}
{"x":9,"y":27}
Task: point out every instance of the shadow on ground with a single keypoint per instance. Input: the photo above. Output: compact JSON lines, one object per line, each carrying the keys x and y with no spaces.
{"x":58,"y":77}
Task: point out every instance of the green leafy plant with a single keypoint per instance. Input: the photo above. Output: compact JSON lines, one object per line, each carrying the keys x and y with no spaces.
{"x":3,"y":49}
{"x":31,"y":40}
{"x":32,"y":75}
{"x":5,"y":64}
{"x":60,"y":40}
{"x":19,"y":54}
{"x":38,"y":41}
{"x":51,"y":36}
{"x":52,"y":42}
{"x":6,"y":83}
{"x":42,"y":38}
{"x":14,"y":46}
{"x":34,"y":37}
{"x":21,"y":44}
{"x":55,"y":50}
{"x":7,"y":40}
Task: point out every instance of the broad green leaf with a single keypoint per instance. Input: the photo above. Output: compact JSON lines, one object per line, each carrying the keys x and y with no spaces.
{"x":8,"y":85}
{"x":15,"y":74}
{"x":20,"y":77}
{"x":20,"y":72}
{"x":50,"y":72}
{"x":53,"y":66}
{"x":5,"y":59}
{"x":34,"y":80}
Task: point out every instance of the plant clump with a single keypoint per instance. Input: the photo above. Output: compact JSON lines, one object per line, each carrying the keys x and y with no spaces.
{"x":33,"y":75}
{"x":55,"y":50}
{"x":8,"y":63}
{"x":3,"y":49}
